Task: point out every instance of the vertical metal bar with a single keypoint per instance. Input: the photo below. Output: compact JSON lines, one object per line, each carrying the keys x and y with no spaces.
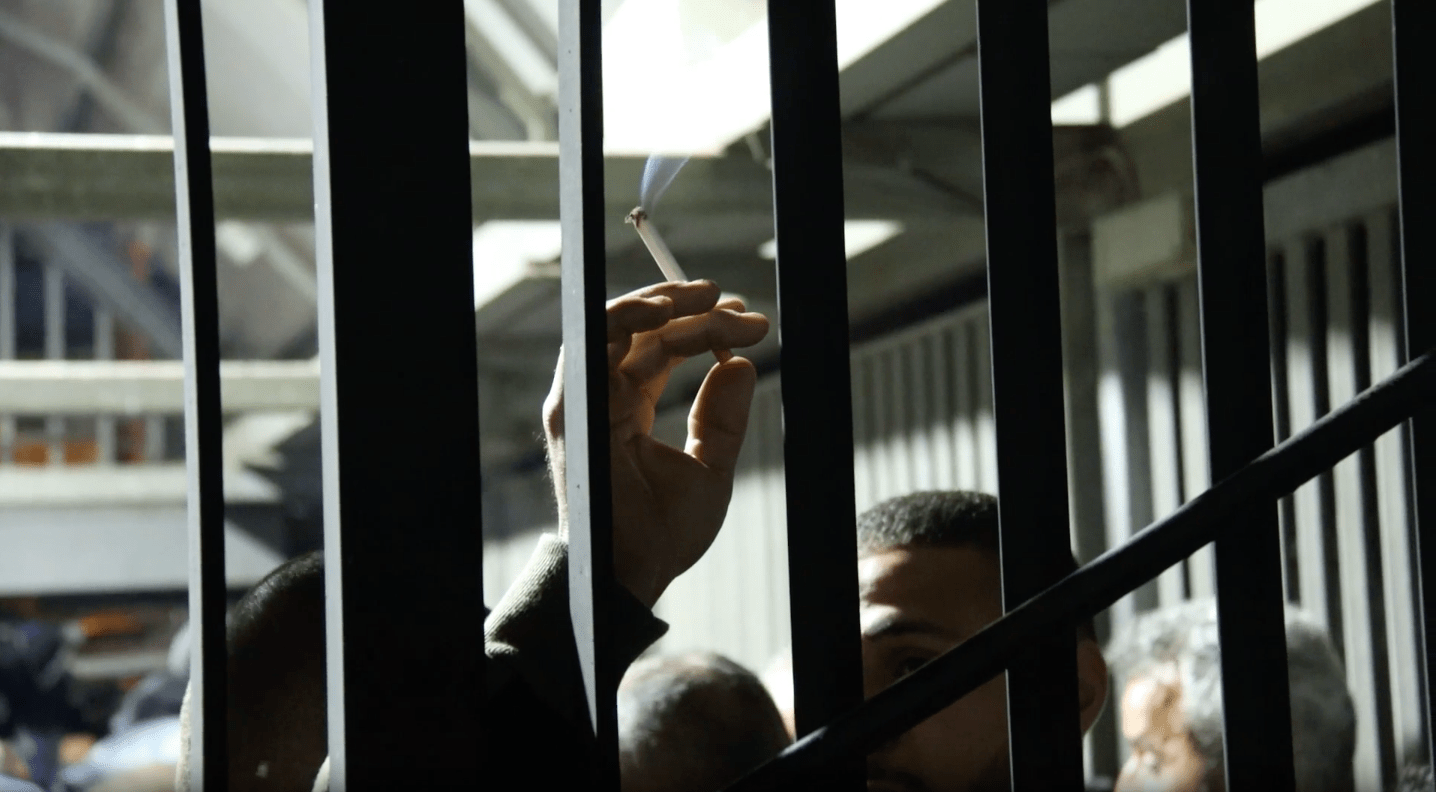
{"x":940,"y":363}
{"x":864,"y":444}
{"x":1363,"y":617}
{"x":1024,"y":314}
{"x":401,"y":499}
{"x":199,"y":316}
{"x":8,"y":307}
{"x":1391,"y":496}
{"x":1201,"y":568}
{"x":1085,"y":458}
{"x":581,"y":208}
{"x":924,"y":424}
{"x":964,"y":431}
{"x":817,"y":404}
{"x":1301,"y":406}
{"x":984,"y":416}
{"x":1163,"y":440}
{"x":105,"y":350}
{"x":54,"y":301}
{"x":1123,"y":415}
{"x":886,"y":427}
{"x":1231,"y":256}
{"x":1413,"y":21}
{"x":1281,"y":413}
{"x":899,"y":418}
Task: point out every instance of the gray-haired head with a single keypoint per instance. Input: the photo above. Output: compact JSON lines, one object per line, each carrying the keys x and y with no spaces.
{"x":693,"y":722}
{"x":1417,"y":778}
{"x":1184,"y":638}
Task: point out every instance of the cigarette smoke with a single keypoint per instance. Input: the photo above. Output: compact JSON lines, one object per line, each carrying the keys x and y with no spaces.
{"x":658,"y":174}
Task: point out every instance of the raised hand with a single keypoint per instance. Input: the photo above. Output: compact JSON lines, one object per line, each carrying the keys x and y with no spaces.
{"x":668,"y":504}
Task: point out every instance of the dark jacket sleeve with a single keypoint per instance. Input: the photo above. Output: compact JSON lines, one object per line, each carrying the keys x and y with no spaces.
{"x":535,"y":706}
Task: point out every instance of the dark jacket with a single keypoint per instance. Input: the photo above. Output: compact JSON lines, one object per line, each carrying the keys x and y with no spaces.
{"x":534,"y":709}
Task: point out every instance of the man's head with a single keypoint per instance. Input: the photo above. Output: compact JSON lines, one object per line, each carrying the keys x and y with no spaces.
{"x":929,"y":578}
{"x":1416,"y":778}
{"x":693,"y":722}
{"x":1167,"y":664}
{"x":276,"y":692}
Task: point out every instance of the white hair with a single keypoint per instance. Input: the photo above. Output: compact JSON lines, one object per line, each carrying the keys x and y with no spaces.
{"x":1185,"y":636}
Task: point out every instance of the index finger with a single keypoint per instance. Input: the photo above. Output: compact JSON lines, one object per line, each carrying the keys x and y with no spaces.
{"x":689,"y":297}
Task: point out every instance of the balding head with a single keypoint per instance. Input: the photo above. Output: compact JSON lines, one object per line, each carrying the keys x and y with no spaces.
{"x":693,"y":722}
{"x":276,"y":692}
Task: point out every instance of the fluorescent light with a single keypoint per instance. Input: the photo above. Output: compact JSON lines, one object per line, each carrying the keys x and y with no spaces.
{"x":1150,"y":82}
{"x":1280,"y":23}
{"x":507,"y":251}
{"x":859,"y":236}
{"x":1082,"y":106}
{"x":1164,"y":75}
{"x":661,"y":97}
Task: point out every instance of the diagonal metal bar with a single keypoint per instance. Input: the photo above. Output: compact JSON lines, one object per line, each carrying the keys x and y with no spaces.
{"x":402,"y":510}
{"x":1043,"y":723}
{"x":1236,"y":370}
{"x":585,"y":366}
{"x":817,"y":390}
{"x":1094,"y":587}
{"x":204,"y":428}
{"x":1415,"y":62}
{"x":105,"y":279}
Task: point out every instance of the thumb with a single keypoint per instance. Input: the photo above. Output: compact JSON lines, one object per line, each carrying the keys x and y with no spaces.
{"x":719,"y":418}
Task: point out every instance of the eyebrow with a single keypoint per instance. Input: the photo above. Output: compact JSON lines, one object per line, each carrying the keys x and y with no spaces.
{"x":897,"y":626}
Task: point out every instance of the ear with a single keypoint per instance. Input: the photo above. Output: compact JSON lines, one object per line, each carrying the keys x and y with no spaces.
{"x":1092,"y":681}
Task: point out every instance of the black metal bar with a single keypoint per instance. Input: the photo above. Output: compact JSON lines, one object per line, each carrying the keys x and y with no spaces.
{"x":1236,"y":368}
{"x":1413,"y":21}
{"x":1097,"y":585}
{"x":203,"y":422}
{"x":1024,"y":311}
{"x":817,"y":395}
{"x":399,"y":393}
{"x":585,"y":366}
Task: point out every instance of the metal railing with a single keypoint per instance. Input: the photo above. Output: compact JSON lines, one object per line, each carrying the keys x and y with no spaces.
{"x":403,"y":71}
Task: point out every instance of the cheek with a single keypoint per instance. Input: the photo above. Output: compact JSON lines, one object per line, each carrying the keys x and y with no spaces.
{"x":960,"y":742}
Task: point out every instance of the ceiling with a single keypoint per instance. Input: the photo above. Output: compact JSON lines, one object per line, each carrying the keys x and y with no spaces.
{"x":910,"y":106}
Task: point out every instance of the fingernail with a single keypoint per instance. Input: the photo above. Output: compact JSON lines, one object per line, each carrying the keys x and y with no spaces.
{"x":723,"y":355}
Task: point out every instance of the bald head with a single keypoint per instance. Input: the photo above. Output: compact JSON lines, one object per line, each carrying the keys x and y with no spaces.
{"x":276,"y":691}
{"x":693,"y":722}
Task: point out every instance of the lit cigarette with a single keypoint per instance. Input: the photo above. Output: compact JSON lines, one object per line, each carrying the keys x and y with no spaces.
{"x":661,"y":254}
{"x":655,"y":245}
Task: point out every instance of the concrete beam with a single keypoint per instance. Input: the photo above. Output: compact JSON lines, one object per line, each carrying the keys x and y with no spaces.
{"x":88,"y":387}
{"x":94,"y":486}
{"x":63,"y":551}
{"x":131,"y":177}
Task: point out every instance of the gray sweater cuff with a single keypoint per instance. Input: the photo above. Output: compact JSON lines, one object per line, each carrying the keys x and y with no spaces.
{"x":530,"y":632}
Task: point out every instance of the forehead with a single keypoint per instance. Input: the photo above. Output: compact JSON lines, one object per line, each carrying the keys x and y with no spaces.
{"x":959,"y":588}
{"x":1151,"y":704}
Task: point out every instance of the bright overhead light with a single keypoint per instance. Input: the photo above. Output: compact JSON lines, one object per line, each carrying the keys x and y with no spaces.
{"x":1164,"y":75}
{"x":1082,"y":106}
{"x":859,"y":236}
{"x":507,"y":252}
{"x":660,"y":96}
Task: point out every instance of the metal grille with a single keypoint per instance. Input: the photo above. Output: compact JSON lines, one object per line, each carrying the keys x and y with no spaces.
{"x":359,"y":218}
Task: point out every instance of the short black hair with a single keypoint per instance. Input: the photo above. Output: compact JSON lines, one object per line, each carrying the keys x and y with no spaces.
{"x":694,"y":720}
{"x":277,"y":677}
{"x":942,"y":518}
